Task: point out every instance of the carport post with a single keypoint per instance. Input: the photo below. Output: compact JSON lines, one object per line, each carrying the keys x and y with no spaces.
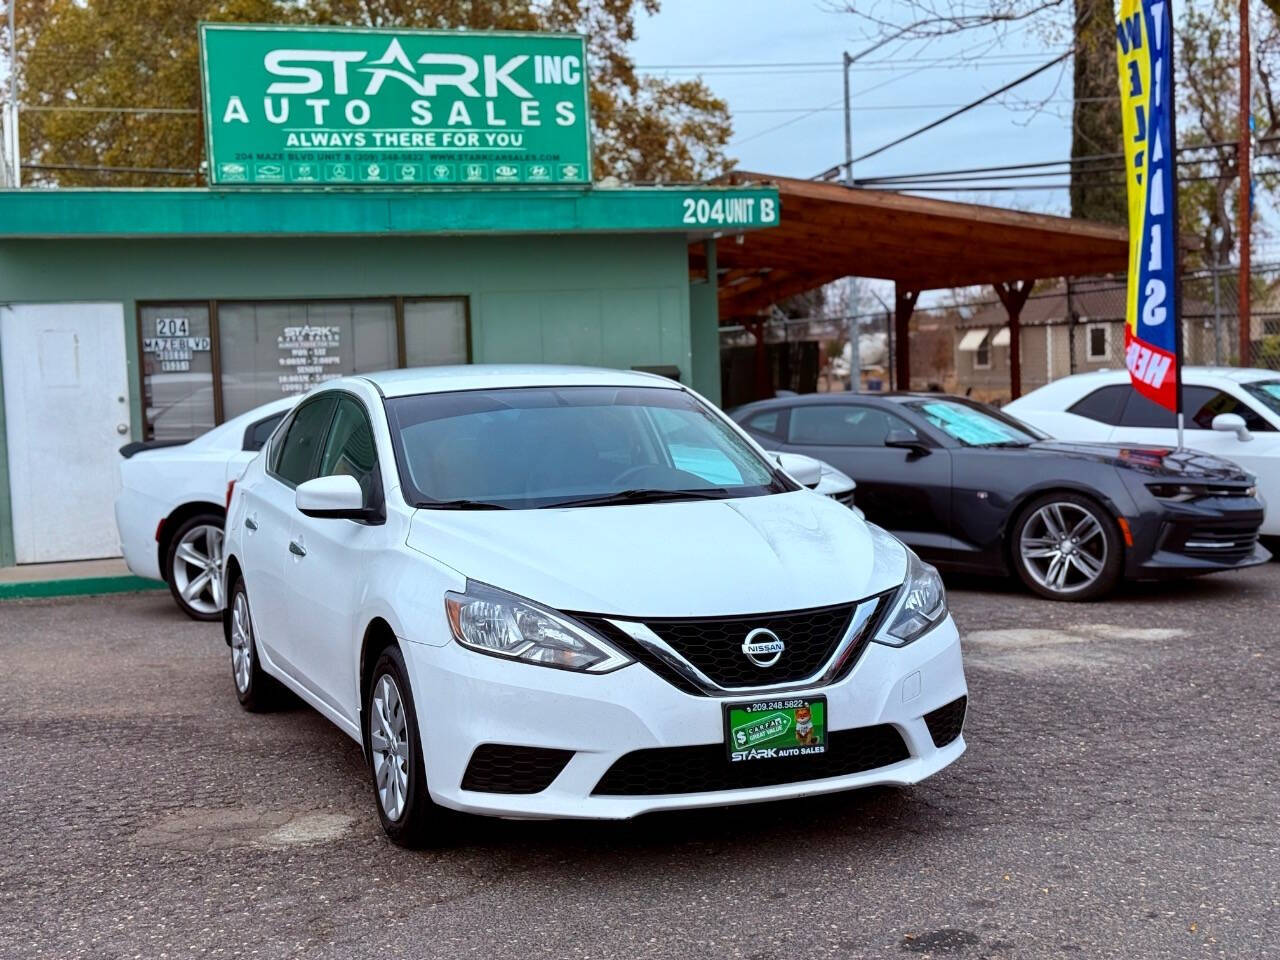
{"x":1014,"y":296}
{"x":904,"y":304}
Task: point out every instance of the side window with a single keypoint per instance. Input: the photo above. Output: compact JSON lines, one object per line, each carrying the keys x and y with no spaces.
{"x":842,"y":425}
{"x":1141,"y":412}
{"x":1104,"y":405}
{"x":1202,"y":404}
{"x":766,"y":422}
{"x":257,"y":434}
{"x":349,"y":450}
{"x":299,"y":451}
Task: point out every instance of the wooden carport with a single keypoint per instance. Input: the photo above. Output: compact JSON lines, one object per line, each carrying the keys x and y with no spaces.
{"x":829,"y":231}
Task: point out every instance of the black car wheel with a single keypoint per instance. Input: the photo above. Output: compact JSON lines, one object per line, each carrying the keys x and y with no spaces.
{"x":1066,"y":547}
{"x":408,"y":814}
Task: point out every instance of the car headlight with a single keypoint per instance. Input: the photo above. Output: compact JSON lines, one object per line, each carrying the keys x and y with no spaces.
{"x":502,"y":624}
{"x":921,"y":605}
{"x":1183,"y":492}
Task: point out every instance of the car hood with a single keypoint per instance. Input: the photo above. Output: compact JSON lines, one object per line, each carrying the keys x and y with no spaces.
{"x":787,"y":551}
{"x":1155,"y":461}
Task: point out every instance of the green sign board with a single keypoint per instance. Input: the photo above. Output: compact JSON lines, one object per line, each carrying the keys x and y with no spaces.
{"x":338,"y":106}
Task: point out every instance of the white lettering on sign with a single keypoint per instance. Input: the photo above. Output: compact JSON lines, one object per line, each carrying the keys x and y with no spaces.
{"x":1149,"y":366}
{"x":729,"y":211}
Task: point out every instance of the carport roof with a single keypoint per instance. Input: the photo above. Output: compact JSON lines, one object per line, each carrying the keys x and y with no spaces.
{"x":829,"y":231}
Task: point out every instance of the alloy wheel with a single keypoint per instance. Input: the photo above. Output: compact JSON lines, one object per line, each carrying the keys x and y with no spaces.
{"x":197,"y":568}
{"x":241,"y":642}
{"x":389,"y":743}
{"x":1063,"y":547}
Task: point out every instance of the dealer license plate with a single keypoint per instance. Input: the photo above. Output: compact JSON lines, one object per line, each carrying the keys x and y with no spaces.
{"x":770,"y":729}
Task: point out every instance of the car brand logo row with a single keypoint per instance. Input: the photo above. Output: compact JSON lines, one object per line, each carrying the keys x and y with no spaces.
{"x":400,"y":172}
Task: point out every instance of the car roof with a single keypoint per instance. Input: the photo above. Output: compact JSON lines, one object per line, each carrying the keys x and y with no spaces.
{"x":845,"y":396}
{"x":496,"y":376}
{"x":1078,"y":384}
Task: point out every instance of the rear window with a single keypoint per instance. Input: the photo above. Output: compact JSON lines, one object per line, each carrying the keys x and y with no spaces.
{"x":1103,"y":405}
{"x":257,"y":434}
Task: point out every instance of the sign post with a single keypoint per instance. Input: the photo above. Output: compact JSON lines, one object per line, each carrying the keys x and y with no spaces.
{"x":1153,"y":328}
{"x":351,"y":107}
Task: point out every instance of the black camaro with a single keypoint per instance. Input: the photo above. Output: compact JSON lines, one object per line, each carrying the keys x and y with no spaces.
{"x":972,"y":489}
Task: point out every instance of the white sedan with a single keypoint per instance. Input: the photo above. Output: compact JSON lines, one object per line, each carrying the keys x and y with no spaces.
{"x":173,"y":496}
{"x":1231,"y":412}
{"x":172,"y":501}
{"x":563,"y":592}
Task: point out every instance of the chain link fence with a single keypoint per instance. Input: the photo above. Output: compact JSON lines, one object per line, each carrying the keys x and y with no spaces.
{"x":963,"y":347}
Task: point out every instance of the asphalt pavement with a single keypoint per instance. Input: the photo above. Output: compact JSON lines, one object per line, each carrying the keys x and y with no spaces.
{"x":1119,"y":798}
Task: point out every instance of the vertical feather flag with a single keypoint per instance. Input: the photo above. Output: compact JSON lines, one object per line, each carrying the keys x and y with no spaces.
{"x":1152,"y":341}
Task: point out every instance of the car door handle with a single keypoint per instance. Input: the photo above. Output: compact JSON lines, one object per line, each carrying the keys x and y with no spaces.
{"x":297,"y":549}
{"x":251,"y":523}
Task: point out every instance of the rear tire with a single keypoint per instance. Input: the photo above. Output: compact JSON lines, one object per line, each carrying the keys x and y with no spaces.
{"x":256,"y":691}
{"x":409,"y":816}
{"x":192,"y":566}
{"x":1065,"y":546}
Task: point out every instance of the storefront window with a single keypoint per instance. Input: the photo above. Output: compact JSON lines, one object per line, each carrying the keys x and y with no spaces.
{"x":208,"y":361}
{"x":177,"y":370}
{"x":272,"y":349}
{"x":435,"y":332}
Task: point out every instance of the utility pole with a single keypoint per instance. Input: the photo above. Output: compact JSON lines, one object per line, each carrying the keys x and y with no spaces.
{"x":15,"y":162}
{"x":848,"y":125}
{"x":1246,"y":190}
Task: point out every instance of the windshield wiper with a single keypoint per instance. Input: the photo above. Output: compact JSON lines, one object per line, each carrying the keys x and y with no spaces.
{"x":1007,"y":443}
{"x":643,"y":495}
{"x":461,"y":505}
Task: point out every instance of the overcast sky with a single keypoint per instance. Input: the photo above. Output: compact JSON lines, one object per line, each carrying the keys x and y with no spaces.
{"x":910,"y":86}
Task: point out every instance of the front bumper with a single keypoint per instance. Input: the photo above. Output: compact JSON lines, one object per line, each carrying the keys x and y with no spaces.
{"x":1202,"y":536}
{"x":466,"y":699}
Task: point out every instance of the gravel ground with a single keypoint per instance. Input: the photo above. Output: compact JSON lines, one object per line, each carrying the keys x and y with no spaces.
{"x":1118,"y":799}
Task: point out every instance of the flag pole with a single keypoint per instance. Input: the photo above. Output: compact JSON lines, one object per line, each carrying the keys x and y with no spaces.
{"x":1177,"y":243}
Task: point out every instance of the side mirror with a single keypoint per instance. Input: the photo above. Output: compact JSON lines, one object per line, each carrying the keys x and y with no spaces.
{"x":1232,"y":423}
{"x":339,"y":498}
{"x":805,"y":471}
{"x":905,"y":440}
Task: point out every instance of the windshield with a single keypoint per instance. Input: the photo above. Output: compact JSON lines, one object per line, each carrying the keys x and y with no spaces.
{"x":1268,"y":391}
{"x":529,"y":447}
{"x":974,"y":426}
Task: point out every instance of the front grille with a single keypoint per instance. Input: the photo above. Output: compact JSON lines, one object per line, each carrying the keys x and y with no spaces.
{"x":501,"y":768}
{"x":947,"y":721}
{"x":1224,"y":545}
{"x":846,"y":498}
{"x":714,"y":646}
{"x":706,"y":768}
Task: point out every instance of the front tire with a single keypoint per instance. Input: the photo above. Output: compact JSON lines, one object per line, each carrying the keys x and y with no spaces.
{"x":394,"y":751}
{"x":1066,"y":547}
{"x":193,"y":564}
{"x":254,"y":689}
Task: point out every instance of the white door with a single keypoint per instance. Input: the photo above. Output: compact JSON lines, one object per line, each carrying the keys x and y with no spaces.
{"x":66,"y":407}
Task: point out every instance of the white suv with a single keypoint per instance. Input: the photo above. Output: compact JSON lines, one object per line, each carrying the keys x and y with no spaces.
{"x":561,"y":592}
{"x":1231,"y":412}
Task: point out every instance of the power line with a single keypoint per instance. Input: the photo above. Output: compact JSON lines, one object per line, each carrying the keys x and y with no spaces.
{"x":955,"y":113}
{"x":78,"y":108}
{"x":95,"y":168}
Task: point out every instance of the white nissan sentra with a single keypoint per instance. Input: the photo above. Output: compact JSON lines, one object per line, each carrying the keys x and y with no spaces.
{"x":566,"y":592}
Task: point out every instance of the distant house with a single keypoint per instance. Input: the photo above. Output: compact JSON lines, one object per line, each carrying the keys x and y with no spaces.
{"x":1053,"y":346}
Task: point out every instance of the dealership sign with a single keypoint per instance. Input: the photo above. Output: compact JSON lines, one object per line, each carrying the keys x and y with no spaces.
{"x":330,"y":106}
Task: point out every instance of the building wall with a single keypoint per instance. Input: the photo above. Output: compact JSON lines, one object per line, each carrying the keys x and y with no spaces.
{"x":609,"y":300}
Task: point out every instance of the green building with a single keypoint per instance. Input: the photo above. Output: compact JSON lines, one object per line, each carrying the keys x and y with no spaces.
{"x":155,"y":314}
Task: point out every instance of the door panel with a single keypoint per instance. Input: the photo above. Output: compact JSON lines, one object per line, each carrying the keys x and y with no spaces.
{"x":66,"y":404}
{"x":325,"y":553}
{"x":906,"y":492}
